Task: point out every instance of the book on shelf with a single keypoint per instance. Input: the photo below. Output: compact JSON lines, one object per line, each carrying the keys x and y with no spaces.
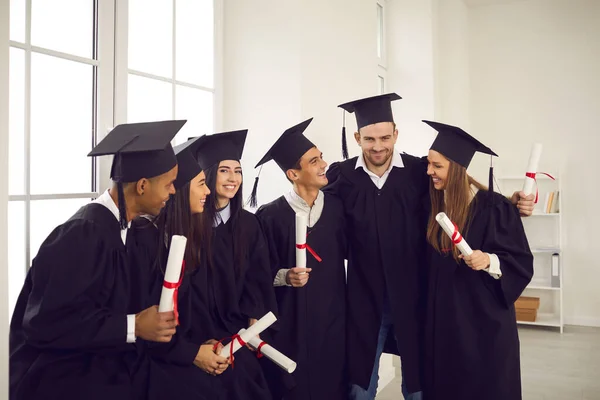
{"x":551,"y":203}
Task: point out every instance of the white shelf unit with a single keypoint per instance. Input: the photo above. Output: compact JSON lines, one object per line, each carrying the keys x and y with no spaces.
{"x":544,"y":233}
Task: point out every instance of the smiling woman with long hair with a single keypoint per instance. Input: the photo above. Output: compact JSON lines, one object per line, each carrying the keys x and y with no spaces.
{"x":237,"y":289}
{"x":472,"y":344}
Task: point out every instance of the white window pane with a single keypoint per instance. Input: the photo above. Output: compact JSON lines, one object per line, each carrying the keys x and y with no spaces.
{"x":63,"y":25}
{"x":47,"y":215}
{"x":148,"y":99}
{"x":17,"y":21}
{"x":16,"y":251}
{"x":196,"y":106}
{"x":16,"y":139}
{"x":194,"y":60}
{"x":150,"y":44}
{"x":380,"y":84}
{"x":379,"y":31}
{"x":61,"y":125}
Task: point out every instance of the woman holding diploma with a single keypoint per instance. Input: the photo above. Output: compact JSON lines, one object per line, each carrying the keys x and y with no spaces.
{"x":235,"y":286}
{"x":311,"y":300}
{"x":183,"y":367}
{"x":472,"y":345}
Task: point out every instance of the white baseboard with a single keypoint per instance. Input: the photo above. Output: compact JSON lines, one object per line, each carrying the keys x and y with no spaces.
{"x":583,"y":321}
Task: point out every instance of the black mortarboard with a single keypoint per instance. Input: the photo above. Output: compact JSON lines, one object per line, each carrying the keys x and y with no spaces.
{"x":188,"y":166}
{"x":368,"y":111}
{"x":287,"y":150}
{"x":221,"y":146}
{"x":457,"y":145}
{"x":142,"y":150}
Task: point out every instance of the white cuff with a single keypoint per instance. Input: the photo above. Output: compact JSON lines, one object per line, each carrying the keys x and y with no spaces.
{"x":494,"y":268}
{"x":131,"y":328}
{"x":280,"y":278}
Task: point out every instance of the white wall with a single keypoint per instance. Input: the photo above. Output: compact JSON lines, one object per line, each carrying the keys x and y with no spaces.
{"x":286,"y":61}
{"x":534,"y":76}
{"x":4,"y":34}
{"x":451,"y":55}
{"x":410,"y":71}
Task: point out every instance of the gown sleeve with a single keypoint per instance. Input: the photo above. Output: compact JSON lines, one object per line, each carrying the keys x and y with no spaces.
{"x":70,"y":274}
{"x":506,"y":238}
{"x":258,"y":297}
{"x":266,"y":223}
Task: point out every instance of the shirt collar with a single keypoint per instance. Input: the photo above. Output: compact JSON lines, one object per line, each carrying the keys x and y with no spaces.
{"x":396,"y":162}
{"x":223,"y":215}
{"x":107,"y":201}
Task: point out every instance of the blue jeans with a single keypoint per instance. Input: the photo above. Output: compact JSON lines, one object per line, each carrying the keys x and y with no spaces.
{"x":356,"y":391}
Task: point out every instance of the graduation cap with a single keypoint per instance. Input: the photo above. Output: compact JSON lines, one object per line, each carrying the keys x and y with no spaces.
{"x":221,"y":146}
{"x":186,"y":160}
{"x":457,"y":145}
{"x":368,"y":111}
{"x":141,"y":150}
{"x":286,"y":151}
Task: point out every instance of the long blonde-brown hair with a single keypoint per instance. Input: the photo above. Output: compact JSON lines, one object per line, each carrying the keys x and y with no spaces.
{"x":455,"y":202}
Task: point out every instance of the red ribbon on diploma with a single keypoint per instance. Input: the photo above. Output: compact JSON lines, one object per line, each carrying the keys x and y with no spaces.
{"x":310,"y":250}
{"x":456,"y":236}
{"x":171,"y":285}
{"x":259,"y":354}
{"x":233,"y":339}
{"x":533,"y":175}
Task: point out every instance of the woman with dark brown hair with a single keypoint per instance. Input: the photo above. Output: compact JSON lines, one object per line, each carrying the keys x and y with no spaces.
{"x":472,"y":344}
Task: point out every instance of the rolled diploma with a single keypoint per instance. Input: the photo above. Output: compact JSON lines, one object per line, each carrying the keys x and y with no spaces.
{"x":250,"y":333}
{"x":280,"y":359}
{"x":301,"y":223}
{"x":532,"y":166}
{"x":448,"y":227}
{"x":173,"y":271}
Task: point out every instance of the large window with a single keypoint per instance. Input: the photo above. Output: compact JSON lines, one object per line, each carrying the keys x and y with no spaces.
{"x":170,"y":59}
{"x":78,"y":68}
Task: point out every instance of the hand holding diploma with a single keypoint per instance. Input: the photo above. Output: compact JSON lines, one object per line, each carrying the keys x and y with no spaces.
{"x":298,"y":277}
{"x":476,"y":261}
{"x":155,"y":326}
{"x":208,"y":359}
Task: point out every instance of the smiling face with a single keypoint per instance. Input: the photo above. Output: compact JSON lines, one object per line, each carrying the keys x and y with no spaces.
{"x":437,"y":168}
{"x":156,"y":192}
{"x":377,"y":142}
{"x":198,"y":193}
{"x":229,"y":180}
{"x":312,"y":170}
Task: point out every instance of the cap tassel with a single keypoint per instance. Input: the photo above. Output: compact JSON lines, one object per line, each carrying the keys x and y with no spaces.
{"x":344,"y":142}
{"x":253,"y":200}
{"x":122,"y":206}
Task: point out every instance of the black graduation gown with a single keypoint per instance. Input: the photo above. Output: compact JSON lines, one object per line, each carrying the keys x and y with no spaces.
{"x":387,"y":244}
{"x":69,"y":327}
{"x":312,"y":318}
{"x":472,"y":344}
{"x":228,"y":297}
{"x":215,"y":303}
{"x":172,"y":373}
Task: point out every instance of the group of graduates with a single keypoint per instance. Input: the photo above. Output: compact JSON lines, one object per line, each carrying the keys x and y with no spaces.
{"x":86,"y":324}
